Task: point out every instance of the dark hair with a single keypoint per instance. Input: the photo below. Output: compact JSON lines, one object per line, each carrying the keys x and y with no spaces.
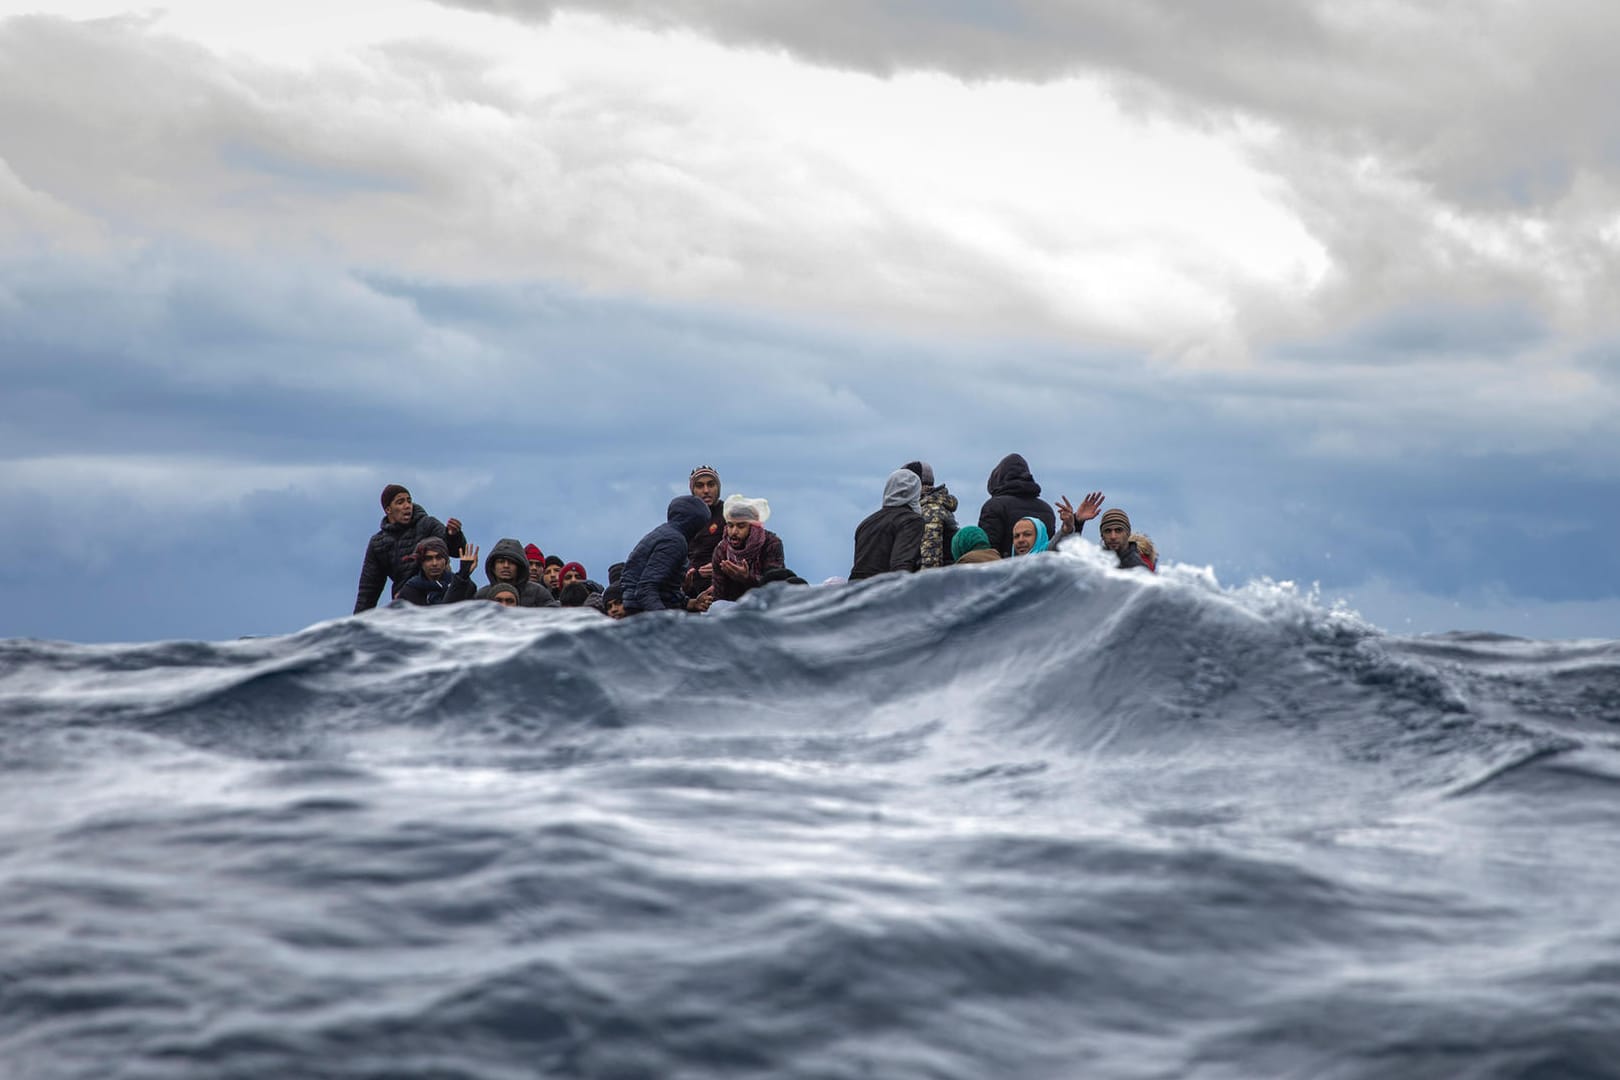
{"x":613,"y":592}
{"x":574,"y":594}
{"x":781,"y":574}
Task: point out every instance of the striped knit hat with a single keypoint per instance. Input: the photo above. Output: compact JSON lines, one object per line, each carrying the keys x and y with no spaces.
{"x":1115,"y":517}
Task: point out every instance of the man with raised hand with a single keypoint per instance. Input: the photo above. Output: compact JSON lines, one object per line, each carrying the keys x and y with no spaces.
{"x":391,"y":551}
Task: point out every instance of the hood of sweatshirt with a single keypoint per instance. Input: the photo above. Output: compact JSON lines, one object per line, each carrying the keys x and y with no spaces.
{"x":689,"y":514}
{"x":903,"y":488}
{"x":507,"y":548}
{"x":1012,"y":477}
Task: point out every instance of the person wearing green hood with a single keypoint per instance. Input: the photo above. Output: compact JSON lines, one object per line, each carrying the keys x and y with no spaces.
{"x":970,"y":545}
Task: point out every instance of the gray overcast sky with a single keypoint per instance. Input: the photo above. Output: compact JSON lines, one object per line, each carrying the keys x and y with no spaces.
{"x":1318,"y":293}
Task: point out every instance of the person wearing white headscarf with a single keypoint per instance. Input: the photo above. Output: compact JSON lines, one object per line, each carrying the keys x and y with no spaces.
{"x":747,"y":551}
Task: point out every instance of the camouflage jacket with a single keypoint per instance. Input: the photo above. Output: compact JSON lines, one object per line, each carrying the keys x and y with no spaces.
{"x":939,"y":526}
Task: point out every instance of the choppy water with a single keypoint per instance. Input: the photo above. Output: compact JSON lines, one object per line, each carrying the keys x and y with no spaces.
{"x":1029,"y":820}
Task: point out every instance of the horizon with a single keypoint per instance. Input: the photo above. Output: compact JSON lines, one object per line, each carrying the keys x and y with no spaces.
{"x":1322,"y":300}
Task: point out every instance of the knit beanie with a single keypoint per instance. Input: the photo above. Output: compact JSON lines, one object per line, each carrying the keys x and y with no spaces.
{"x":534,"y":554}
{"x":968,"y":538}
{"x":553,"y":560}
{"x":390,"y":491}
{"x":432,"y":543}
{"x":613,"y":592}
{"x":574,"y":566}
{"x":924,"y":471}
{"x":615,"y":572}
{"x":703,"y":470}
{"x":504,"y":586}
{"x":574,"y":594}
{"x":1114,"y":517}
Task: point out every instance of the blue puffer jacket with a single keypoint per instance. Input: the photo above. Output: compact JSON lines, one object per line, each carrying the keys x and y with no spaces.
{"x":655,"y":569}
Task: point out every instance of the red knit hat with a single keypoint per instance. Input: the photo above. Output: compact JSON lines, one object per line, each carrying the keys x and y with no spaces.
{"x":573,"y":566}
{"x":534,"y":554}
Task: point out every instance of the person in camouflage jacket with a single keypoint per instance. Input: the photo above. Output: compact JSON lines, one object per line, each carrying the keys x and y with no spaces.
{"x":939,"y":517}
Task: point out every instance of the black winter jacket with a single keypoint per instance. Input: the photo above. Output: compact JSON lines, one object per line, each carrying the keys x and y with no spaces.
{"x":1014,"y":494}
{"x":654,"y":571}
{"x":391,"y":555}
{"x":890,"y":539}
{"x":450,"y":589}
{"x":530,"y":593}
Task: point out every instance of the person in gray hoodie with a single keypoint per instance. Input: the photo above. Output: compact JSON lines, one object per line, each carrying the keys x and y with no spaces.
{"x":891,"y":538}
{"x":509,"y":563}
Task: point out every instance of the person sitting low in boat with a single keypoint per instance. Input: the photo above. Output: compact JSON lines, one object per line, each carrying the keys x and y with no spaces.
{"x":970,"y":545}
{"x":747,"y":551}
{"x":508,"y":563}
{"x":1029,"y":536}
{"x":1116,"y":537}
{"x":613,"y":601}
{"x":434,"y":584}
{"x":503,"y":593}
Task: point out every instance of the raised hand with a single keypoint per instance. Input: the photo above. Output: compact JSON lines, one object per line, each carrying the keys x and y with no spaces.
{"x":1090,"y":507}
{"x":469,"y":558}
{"x":453,"y":526}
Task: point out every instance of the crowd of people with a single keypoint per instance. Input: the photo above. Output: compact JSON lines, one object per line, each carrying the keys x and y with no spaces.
{"x":712,"y":550}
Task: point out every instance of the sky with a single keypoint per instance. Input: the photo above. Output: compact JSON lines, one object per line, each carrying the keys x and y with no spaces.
{"x":1319,"y":293}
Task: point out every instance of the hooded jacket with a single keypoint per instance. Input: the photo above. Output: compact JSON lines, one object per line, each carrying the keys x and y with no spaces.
{"x":939,"y":527}
{"x":1131,"y":558}
{"x":653,"y":572}
{"x":391,"y":554}
{"x":1014,"y":494}
{"x":891,"y":538}
{"x":530,"y":593}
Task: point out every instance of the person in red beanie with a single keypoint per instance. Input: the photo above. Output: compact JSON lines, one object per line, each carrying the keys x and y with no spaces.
{"x":391,"y":551}
{"x":537,"y":562}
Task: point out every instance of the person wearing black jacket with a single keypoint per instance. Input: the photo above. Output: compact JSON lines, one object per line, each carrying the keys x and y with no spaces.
{"x":509,"y":563}
{"x":434,"y":584}
{"x":891,"y":538}
{"x":391,"y":551}
{"x":656,"y":568}
{"x":704,"y":482}
{"x":1014,"y":494}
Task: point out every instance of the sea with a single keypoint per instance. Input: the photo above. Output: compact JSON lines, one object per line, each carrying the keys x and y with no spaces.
{"x":1038,"y":819}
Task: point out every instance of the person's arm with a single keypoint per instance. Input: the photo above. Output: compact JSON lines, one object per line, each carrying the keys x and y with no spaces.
{"x":372,"y":577}
{"x":907,"y":551}
{"x":1075,"y":517}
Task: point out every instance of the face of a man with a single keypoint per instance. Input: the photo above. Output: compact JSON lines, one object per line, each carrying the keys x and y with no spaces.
{"x":400,"y":509}
{"x":505,"y":570}
{"x":506,"y":599}
{"x":1023,"y":537}
{"x":434,"y":564}
{"x":553,"y":577}
{"x":615,"y":609}
{"x":706,"y":488}
{"x":1114,"y":537}
{"x":573,"y":576}
{"x":537,"y":570}
{"x":737,"y":532}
